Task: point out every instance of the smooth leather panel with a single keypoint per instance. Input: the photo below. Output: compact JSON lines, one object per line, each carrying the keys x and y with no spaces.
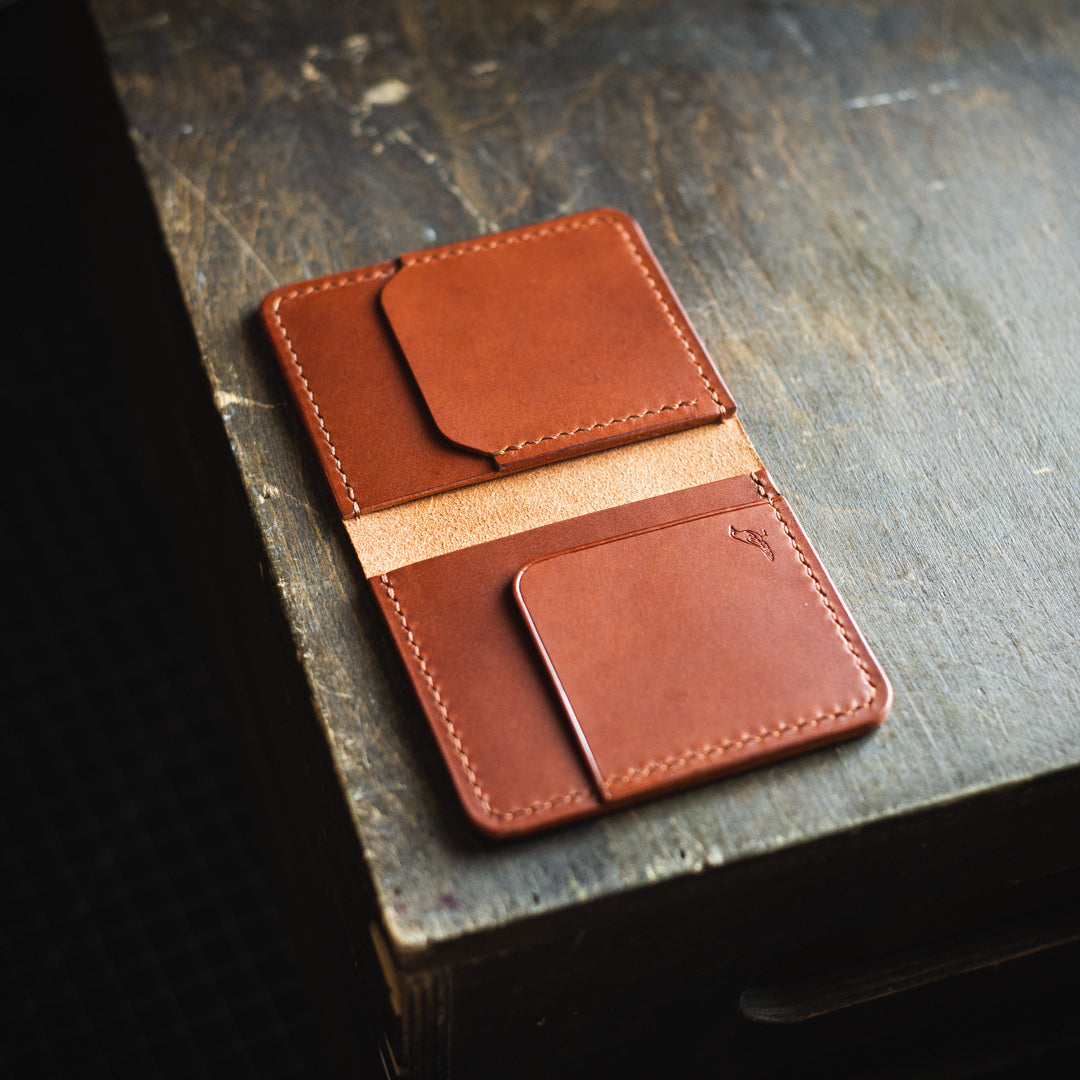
{"x":697,"y":646}
{"x":373,"y":434}
{"x":495,"y":713}
{"x":550,"y":340}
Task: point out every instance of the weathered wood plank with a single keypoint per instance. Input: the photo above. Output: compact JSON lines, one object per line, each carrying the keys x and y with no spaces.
{"x":872,"y":214}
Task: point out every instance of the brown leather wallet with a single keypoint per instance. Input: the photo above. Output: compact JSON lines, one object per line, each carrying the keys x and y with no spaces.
{"x":625,"y":605}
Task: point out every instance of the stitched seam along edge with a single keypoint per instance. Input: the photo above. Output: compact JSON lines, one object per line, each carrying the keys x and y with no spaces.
{"x":335,"y":284}
{"x":640,"y":773}
{"x":703,"y":753}
{"x":455,"y":738}
{"x":593,"y":427}
{"x":639,"y":259}
{"x":481,"y":796}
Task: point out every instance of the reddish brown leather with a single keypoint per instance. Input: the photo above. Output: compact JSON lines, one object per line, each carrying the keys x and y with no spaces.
{"x":696,"y":645}
{"x":564,"y":338}
{"x":534,"y":344}
{"x":509,"y":744}
{"x":646,"y":647}
{"x":369,"y":425}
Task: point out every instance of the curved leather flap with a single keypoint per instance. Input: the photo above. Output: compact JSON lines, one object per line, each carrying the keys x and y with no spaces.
{"x":699,"y":647}
{"x":550,"y":341}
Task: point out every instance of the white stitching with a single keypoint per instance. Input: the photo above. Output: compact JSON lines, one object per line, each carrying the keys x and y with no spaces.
{"x":335,"y":284}
{"x":459,"y":748}
{"x":593,"y":427}
{"x":635,"y":252}
{"x":640,"y":772}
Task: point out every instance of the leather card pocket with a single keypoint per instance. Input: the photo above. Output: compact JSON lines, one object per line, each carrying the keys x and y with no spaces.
{"x":540,"y":343}
{"x":647,"y":647}
{"x":694,"y":647}
{"x":447,"y":367}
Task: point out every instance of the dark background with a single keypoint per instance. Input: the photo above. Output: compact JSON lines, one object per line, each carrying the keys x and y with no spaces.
{"x":141,"y":935}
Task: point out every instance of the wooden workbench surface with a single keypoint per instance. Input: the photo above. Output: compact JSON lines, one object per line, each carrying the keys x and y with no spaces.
{"x":871,"y":212}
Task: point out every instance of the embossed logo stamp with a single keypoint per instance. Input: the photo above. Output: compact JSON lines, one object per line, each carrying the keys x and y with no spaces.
{"x":756,"y":539}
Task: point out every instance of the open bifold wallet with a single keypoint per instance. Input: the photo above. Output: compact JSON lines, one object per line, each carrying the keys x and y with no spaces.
{"x":596,"y":590}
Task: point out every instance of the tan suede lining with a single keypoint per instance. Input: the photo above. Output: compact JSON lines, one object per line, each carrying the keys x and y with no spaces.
{"x":400,"y":535}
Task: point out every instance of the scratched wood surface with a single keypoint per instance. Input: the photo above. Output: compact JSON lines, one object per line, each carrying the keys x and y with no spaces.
{"x":872,"y":214}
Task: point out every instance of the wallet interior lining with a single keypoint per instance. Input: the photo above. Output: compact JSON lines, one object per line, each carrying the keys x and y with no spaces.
{"x":449,"y":521}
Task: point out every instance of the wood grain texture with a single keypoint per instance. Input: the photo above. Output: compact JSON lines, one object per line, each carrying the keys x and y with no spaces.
{"x":872,"y":215}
